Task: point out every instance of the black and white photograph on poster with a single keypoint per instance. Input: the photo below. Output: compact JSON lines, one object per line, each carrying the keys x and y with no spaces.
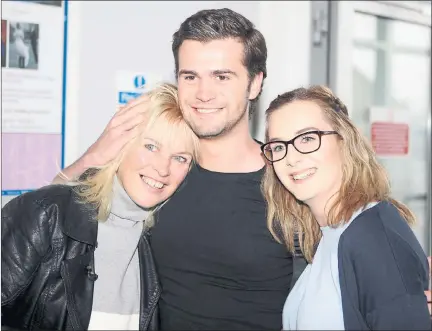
{"x":3,"y":42}
{"x":23,"y":45}
{"x":47,"y":2}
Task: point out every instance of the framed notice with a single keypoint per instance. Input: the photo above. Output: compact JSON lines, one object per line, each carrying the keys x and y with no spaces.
{"x":390,"y":139}
{"x":33,"y":60}
{"x":390,"y":131}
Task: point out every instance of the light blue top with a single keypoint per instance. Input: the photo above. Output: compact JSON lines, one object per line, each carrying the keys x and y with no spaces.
{"x":315,"y":301}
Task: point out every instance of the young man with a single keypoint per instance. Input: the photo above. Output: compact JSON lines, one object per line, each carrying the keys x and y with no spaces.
{"x":218,"y":264}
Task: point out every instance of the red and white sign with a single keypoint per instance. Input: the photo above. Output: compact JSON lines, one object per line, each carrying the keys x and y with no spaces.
{"x":390,"y":138}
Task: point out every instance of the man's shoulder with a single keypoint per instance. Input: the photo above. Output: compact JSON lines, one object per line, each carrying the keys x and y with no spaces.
{"x":215,"y":187}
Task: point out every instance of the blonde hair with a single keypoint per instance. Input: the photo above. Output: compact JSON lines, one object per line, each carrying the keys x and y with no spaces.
{"x":364,"y":179}
{"x":160,"y":105}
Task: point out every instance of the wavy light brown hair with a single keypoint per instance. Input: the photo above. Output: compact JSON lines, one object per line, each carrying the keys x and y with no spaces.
{"x":364,"y":179}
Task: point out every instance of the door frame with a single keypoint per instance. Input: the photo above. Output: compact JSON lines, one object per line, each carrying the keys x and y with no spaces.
{"x":341,"y":58}
{"x":341,"y":39}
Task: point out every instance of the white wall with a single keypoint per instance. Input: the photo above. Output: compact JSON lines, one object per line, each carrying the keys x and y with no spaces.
{"x":286,"y":25}
{"x":104,"y":37}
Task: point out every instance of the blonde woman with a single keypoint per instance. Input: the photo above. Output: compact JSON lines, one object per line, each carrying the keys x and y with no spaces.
{"x":366,"y":269}
{"x":76,"y":256}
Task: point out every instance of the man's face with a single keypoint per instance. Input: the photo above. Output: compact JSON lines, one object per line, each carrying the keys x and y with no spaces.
{"x":213,"y":85}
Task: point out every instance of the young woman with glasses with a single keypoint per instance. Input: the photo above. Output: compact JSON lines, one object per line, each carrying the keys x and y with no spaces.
{"x":366,"y":270}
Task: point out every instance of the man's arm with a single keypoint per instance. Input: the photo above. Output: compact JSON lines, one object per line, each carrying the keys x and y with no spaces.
{"x":122,"y":127}
{"x":73,"y":171}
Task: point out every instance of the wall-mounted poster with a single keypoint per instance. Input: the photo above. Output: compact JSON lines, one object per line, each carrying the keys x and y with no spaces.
{"x":33,"y":46}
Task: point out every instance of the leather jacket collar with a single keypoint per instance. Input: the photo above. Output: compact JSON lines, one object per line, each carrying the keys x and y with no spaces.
{"x":80,"y":228}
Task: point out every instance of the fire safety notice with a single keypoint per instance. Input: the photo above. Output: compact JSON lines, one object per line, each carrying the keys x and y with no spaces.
{"x":390,"y":139}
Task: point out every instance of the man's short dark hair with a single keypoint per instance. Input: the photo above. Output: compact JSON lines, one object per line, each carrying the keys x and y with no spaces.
{"x":216,"y":24}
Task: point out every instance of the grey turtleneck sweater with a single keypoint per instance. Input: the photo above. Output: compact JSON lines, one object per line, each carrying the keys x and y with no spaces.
{"x":116,"y":298}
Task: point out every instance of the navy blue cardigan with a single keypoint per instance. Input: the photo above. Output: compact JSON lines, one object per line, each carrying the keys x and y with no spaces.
{"x":383,"y":273}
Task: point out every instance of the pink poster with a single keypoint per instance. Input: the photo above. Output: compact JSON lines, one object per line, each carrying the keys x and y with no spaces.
{"x":29,"y":161}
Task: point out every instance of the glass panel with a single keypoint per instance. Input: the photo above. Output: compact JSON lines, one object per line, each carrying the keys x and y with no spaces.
{"x":409,"y":81}
{"x":364,"y":76}
{"x":409,"y":90}
{"x":399,"y":81}
{"x":365,"y":27}
{"x":410,"y":35}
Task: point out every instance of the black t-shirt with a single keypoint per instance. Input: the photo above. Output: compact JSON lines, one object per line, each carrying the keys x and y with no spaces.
{"x":218,"y":264}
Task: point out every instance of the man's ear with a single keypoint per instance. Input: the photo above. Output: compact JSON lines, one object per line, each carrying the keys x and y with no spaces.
{"x":255,"y":86}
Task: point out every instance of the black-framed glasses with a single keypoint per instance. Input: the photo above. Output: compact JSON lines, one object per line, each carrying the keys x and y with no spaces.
{"x":304,"y":143}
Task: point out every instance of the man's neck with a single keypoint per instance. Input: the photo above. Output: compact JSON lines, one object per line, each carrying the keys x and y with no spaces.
{"x":234,"y":152}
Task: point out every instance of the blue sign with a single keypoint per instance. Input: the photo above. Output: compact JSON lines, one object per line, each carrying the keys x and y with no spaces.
{"x":125,"y":97}
{"x":139,"y":81}
{"x":15,"y":192}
